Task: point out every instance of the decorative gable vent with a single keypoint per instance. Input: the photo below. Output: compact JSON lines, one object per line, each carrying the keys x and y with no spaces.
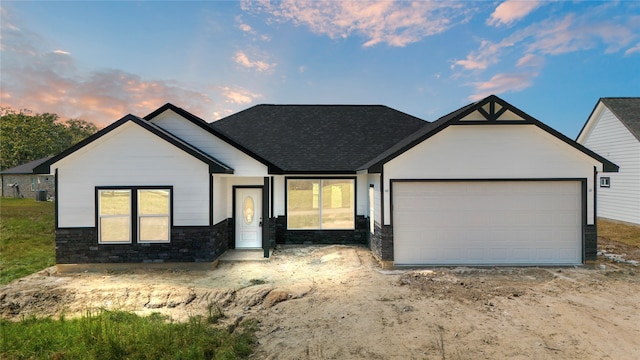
{"x":494,"y":112}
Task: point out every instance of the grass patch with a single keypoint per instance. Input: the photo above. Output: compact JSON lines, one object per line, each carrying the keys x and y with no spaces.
{"x":624,"y":233}
{"x":27,"y":237}
{"x":122,"y":335}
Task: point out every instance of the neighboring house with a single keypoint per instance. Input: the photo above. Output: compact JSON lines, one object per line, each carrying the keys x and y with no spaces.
{"x":613,"y":130}
{"x":484,"y":185}
{"x":21,"y":181}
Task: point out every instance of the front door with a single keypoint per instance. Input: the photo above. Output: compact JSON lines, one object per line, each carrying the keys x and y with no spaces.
{"x":248,"y":218}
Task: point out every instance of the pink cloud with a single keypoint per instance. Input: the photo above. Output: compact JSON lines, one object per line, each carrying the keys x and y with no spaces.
{"x":394,"y":23}
{"x":501,"y":83}
{"x":261,"y":66}
{"x":511,"y":11}
{"x":43,"y":80}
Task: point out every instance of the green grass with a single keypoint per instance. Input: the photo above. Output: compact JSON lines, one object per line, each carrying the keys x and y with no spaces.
{"x":27,"y":237}
{"x":624,"y":233}
{"x":121,"y":335}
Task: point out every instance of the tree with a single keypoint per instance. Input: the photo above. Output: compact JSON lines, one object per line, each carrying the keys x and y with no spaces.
{"x":26,"y":137}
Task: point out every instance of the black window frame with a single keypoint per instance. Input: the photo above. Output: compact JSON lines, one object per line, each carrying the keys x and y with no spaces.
{"x":133,"y":213}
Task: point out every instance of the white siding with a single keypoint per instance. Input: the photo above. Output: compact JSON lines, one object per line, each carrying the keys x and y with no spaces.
{"x":278,"y":195}
{"x":374,"y":179}
{"x":131,"y":156}
{"x":492,"y":152}
{"x":610,"y":138}
{"x":242,"y":164}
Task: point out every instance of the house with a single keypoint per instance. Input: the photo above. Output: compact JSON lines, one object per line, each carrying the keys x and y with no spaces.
{"x":613,"y":130}
{"x":21,"y":181}
{"x":484,"y":185}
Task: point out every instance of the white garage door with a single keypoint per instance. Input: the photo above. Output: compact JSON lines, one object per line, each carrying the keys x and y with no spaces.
{"x":487,"y":223}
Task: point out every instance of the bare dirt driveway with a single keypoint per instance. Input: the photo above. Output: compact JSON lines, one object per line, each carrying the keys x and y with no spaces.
{"x":335,"y":302}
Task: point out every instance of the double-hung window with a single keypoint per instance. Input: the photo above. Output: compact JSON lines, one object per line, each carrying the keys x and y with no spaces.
{"x":125,"y":214}
{"x":114,"y":215}
{"x":321,"y":204}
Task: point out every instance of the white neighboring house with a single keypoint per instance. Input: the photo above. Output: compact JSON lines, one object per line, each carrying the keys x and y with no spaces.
{"x":613,"y":131}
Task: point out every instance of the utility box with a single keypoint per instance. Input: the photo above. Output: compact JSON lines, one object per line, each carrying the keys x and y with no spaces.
{"x":41,"y":195}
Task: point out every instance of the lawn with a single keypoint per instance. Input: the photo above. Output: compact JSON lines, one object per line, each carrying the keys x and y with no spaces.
{"x":27,"y":237}
{"x":624,"y":233}
{"x":121,"y":335}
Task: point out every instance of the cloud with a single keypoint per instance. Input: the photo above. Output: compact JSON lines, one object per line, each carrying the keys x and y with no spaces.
{"x":530,"y":47}
{"x":511,"y":11}
{"x":44,"y":80}
{"x":382,"y":21}
{"x":243,"y":60}
{"x":634,"y":49}
{"x":239,"y":95}
{"x":501,"y":83}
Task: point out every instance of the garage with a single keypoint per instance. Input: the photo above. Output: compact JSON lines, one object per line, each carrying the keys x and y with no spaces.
{"x":487,"y":222}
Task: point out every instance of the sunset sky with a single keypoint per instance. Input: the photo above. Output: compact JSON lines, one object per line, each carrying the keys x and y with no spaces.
{"x":100,"y":60}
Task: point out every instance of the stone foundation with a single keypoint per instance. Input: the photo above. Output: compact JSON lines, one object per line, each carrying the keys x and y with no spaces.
{"x":188,"y":244}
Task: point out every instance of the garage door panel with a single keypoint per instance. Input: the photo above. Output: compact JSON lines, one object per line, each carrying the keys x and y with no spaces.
{"x":487,"y":223}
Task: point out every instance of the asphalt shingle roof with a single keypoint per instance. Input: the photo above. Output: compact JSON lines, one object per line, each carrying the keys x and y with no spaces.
{"x":318,"y":138}
{"x":25,"y":168}
{"x":627,"y":109}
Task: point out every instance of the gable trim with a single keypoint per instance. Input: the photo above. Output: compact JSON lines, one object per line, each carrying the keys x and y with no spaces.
{"x":491,"y":118}
{"x":215,"y":166}
{"x":272,"y":168}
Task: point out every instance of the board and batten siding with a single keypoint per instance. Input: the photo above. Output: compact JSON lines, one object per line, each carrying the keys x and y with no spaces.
{"x":491,"y":152}
{"x":131,"y":156}
{"x":241,"y":163}
{"x":611,"y":139}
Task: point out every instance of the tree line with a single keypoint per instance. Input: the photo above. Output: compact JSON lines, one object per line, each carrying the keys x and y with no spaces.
{"x":27,"y":136}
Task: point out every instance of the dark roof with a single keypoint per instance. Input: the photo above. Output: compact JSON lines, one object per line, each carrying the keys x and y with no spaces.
{"x":627,"y":109}
{"x":25,"y":168}
{"x":496,"y":107}
{"x":215,"y":166}
{"x":318,"y":138}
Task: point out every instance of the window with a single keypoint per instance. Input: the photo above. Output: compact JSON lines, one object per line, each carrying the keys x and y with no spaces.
{"x":33,"y":183}
{"x":145,"y":212}
{"x":114,"y":216}
{"x":321,"y":204}
{"x":605,"y":182}
{"x":153,"y":215}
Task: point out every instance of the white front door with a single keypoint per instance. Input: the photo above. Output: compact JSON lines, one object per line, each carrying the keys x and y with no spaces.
{"x":248,"y":218}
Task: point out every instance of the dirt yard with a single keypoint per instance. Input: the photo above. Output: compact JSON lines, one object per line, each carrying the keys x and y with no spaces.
{"x":335,"y":302}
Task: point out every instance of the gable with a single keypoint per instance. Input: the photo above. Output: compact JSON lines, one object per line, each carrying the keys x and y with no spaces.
{"x":490,"y":111}
{"x":197,"y":133}
{"x":215,"y":166}
{"x":625,"y":110}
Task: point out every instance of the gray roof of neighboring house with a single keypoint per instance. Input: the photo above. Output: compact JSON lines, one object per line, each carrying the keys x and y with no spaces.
{"x":318,"y":138}
{"x":25,"y":168}
{"x":627,"y":109}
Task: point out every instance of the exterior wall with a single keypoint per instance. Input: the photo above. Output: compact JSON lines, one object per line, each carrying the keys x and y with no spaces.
{"x":131,"y":156}
{"x":381,"y":242}
{"x":188,"y":244}
{"x":243,"y":164}
{"x":359,"y":236}
{"x":374,"y":179}
{"x":611,"y":139}
{"x":25,"y":181}
{"x":491,"y":152}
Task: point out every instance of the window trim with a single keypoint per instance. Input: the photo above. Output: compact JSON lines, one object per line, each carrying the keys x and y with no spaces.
{"x":134,"y":219}
{"x":605,"y":182}
{"x":99,"y":217}
{"x":320,"y":179}
{"x":139,"y":217}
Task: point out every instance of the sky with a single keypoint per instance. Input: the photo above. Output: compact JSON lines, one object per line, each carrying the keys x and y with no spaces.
{"x":101,"y":60}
